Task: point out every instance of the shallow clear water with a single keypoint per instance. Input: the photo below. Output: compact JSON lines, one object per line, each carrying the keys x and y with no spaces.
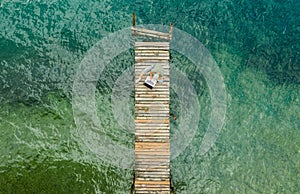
{"x":255,"y":44}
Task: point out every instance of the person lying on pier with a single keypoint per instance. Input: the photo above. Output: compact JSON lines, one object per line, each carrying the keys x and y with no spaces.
{"x":151,"y":80}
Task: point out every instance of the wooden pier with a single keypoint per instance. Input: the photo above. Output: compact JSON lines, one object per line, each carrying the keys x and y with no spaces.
{"x":152,"y":115}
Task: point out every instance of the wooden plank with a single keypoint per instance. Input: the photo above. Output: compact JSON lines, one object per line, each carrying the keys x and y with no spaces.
{"x":165,"y":121}
{"x":142,"y":114}
{"x":156,"y":152}
{"x":150,"y":150}
{"x":151,"y":43}
{"x":152,"y":48}
{"x":144,"y":132}
{"x":150,"y":140}
{"x":150,"y":94}
{"x":155,"y":136}
{"x":153,"y":93}
{"x":155,"y":174}
{"x":149,"y":31}
{"x":153,"y":99}
{"x":145,"y":55}
{"x":152,"y":134}
{"x":152,"y":124}
{"x":155,"y":149}
{"x":147,"y":131}
{"x":152,"y":182}
{"x":151,"y":145}
{"x":165,"y":130}
{"x":147,"y":139}
{"x":138,"y":72}
{"x":155,"y":112}
{"x":151,"y":52}
{"x":152,"y":159}
{"x":140,"y":68}
{"x":152,"y":192}
{"x":143,"y":164}
{"x":153,"y":179}
{"x":152,"y":113}
{"x":152,"y":166}
{"x":162,"y":63}
{"x":165,"y":76}
{"x":159,"y":87}
{"x":151,"y":56}
{"x":147,"y":64}
{"x":155,"y":190}
{"x":155,"y":89}
{"x":151,"y":186}
{"x":152,"y":105}
{"x":138,"y":166}
{"x":150,"y":109}
{"x":153,"y":34}
{"x":164,"y":85}
{"x":153,"y":60}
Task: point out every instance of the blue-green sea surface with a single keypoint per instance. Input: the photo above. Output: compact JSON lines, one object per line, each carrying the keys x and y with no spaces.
{"x":256,"y":45}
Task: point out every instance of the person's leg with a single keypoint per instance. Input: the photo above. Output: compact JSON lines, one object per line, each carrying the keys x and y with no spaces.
{"x":146,"y":70}
{"x":155,"y":77}
{"x":140,"y":77}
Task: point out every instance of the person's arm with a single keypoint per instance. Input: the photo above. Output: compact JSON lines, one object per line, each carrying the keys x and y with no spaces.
{"x":160,"y":80}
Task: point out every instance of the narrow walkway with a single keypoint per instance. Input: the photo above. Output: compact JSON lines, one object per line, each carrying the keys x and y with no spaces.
{"x":152,"y":122}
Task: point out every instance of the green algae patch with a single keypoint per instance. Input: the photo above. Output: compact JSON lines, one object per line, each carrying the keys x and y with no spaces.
{"x":57,"y":177}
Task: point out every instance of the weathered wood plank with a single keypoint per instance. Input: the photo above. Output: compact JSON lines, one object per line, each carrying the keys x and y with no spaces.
{"x":152,"y":95}
{"x":152,"y":182}
{"x":152,"y":121}
{"x":152,"y":35}
{"x":151,"y":43}
{"x":151,"y":54}
{"x":146,"y":65}
{"x":141,"y":87}
{"x":149,"y":31}
{"x":142,"y":114}
{"x":151,"y":145}
{"x":148,"y":48}
{"x":138,"y":70}
{"x":146,"y":131}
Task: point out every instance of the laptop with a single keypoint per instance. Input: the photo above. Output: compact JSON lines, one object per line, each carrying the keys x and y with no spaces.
{"x":150,"y":83}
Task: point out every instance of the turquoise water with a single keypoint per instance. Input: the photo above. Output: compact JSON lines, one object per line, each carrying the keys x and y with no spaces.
{"x":255,"y":44}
